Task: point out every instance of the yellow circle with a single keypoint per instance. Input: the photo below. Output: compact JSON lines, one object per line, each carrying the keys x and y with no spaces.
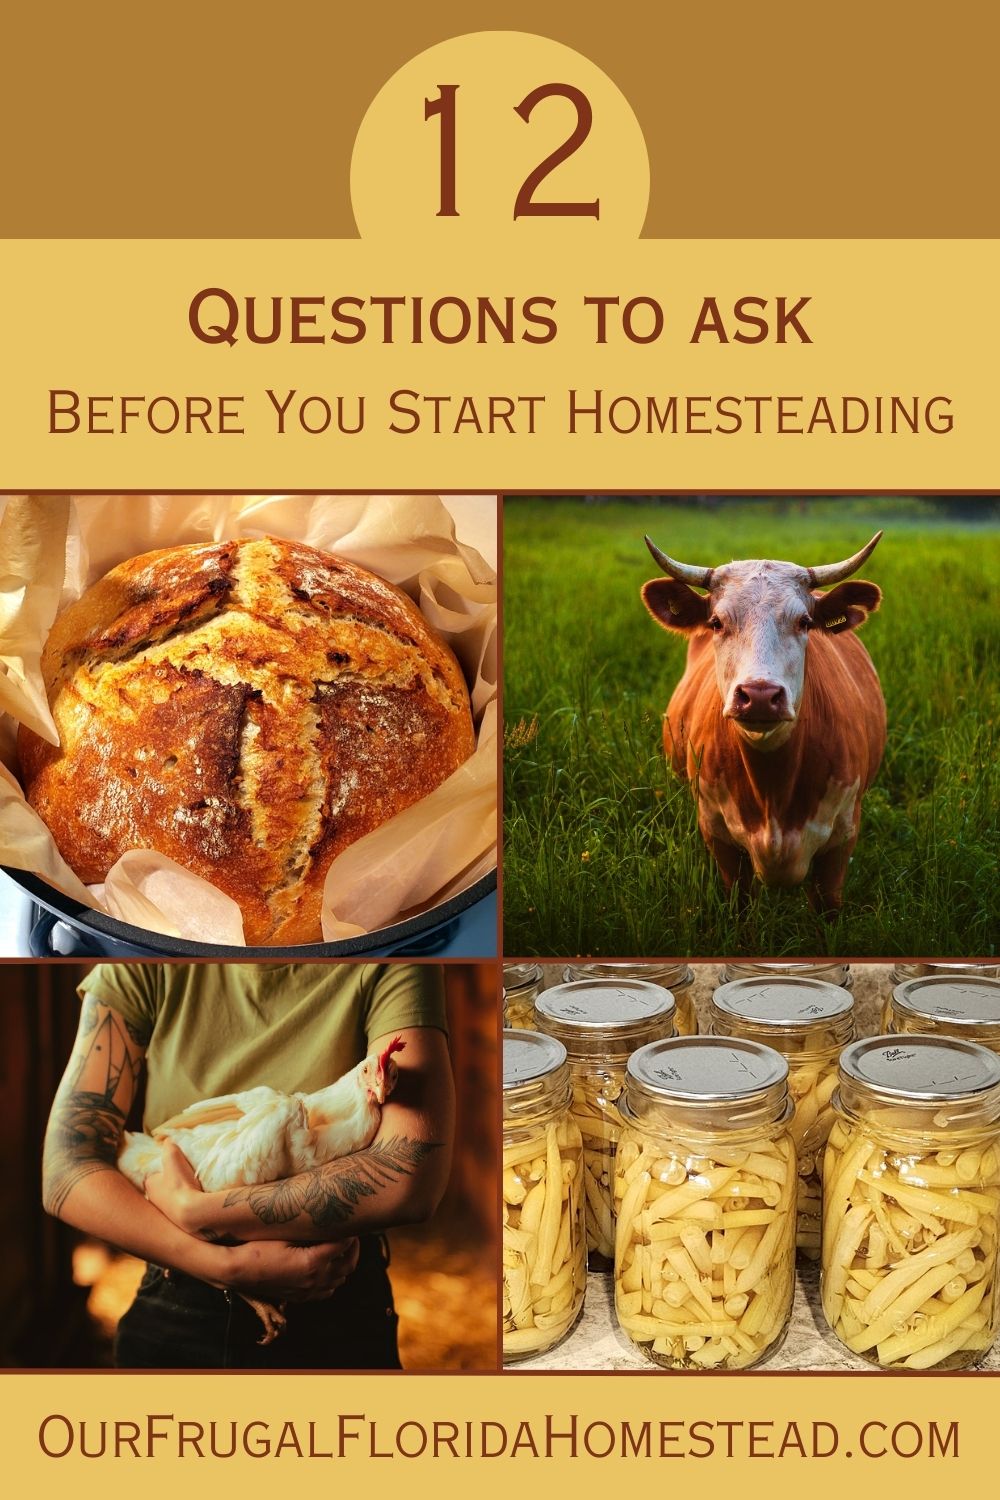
{"x":471,"y":86}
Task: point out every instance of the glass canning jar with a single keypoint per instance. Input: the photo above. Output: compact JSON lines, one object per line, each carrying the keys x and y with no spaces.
{"x":944,"y":1005}
{"x":967,"y":995}
{"x":544,"y":1244}
{"x":808,"y":1021}
{"x":601,"y":1022}
{"x":522,"y":983}
{"x":911,"y":1202}
{"x":833,"y":973}
{"x":705,"y":1198}
{"x":677,"y":978}
{"x":926,"y":971}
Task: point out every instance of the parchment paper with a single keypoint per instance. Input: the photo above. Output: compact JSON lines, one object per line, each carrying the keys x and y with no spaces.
{"x":52,"y":548}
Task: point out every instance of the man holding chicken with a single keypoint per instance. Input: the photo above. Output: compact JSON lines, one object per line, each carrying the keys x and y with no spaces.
{"x":311,"y":1240}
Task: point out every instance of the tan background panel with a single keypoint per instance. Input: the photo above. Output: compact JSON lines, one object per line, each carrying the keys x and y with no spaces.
{"x":881,"y":318}
{"x":900,"y":1412}
{"x":238,"y":120}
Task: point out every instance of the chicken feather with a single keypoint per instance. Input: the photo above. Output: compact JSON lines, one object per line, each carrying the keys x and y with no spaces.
{"x":262,"y":1135}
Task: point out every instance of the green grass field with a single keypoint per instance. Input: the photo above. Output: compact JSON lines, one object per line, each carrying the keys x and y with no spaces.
{"x":602,"y":853}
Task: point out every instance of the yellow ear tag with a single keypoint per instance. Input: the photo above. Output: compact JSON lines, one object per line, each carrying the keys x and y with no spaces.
{"x":840,"y":620}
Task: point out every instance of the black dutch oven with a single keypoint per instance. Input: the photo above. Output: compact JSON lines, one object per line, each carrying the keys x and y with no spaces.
{"x":465,"y":922}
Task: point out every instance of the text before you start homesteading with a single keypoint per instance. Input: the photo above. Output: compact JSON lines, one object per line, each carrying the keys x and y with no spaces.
{"x":576,"y":413}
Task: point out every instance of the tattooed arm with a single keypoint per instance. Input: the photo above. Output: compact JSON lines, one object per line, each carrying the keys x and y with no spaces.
{"x":398,"y":1179}
{"x":81,"y":1182}
{"x":91,"y":1105}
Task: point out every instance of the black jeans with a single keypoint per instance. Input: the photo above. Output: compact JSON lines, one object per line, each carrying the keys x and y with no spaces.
{"x":179,"y":1323}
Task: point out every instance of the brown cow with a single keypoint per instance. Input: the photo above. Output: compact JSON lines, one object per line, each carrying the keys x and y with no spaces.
{"x":779,"y":720}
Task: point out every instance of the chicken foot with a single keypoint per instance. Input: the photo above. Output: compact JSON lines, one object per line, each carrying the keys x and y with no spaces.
{"x":273,"y":1318}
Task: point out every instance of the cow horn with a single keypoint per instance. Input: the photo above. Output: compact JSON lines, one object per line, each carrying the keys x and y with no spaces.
{"x":700,"y":577}
{"x":834,"y":572}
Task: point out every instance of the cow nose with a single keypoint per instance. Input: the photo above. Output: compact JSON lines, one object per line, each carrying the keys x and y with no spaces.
{"x":760,"y":701}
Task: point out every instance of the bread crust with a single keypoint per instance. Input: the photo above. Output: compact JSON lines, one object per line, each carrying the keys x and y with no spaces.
{"x":249,"y":708}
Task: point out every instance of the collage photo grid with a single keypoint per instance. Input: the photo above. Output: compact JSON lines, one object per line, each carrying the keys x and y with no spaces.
{"x":689,"y":1062}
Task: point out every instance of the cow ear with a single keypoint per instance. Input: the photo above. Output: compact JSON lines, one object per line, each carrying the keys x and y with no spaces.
{"x":847,"y":606}
{"x":673,"y":605}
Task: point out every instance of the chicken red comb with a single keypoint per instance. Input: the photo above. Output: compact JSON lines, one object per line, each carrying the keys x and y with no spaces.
{"x":396,"y":1045}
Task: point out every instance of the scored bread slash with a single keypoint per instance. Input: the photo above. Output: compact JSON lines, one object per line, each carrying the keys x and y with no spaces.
{"x":248,"y":708}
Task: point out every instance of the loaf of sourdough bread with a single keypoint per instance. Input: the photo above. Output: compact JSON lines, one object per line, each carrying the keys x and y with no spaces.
{"x":249,"y":708}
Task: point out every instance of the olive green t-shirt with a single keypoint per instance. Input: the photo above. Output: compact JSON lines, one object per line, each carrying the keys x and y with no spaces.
{"x":213,"y":1029}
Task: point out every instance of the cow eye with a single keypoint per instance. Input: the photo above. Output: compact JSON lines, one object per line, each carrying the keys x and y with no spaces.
{"x":805,"y":622}
{"x":715,"y":623}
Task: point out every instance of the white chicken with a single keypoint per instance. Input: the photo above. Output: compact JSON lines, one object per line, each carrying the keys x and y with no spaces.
{"x":262,"y":1135}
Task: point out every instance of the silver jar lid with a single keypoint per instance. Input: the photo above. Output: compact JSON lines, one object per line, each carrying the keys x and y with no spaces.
{"x":535,"y":1075}
{"x":521,"y":977}
{"x":707,"y":1069}
{"x":594,"y":1016}
{"x":833,"y":973}
{"x":672,"y":976}
{"x":968,"y":1001}
{"x":528,"y":1055}
{"x":789,"y":1001}
{"x":921,"y":1069}
{"x":902,"y":972}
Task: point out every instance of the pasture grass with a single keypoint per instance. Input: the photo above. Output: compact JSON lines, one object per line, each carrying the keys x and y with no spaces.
{"x":602,"y":854}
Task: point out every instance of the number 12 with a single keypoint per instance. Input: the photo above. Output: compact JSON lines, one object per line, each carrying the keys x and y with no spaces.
{"x":525,"y":204}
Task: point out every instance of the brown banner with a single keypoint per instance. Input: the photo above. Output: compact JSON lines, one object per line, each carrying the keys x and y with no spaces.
{"x":239,"y":120}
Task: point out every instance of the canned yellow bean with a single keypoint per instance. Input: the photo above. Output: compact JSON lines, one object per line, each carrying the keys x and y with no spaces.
{"x":705,"y":1196}
{"x":544,"y":1243}
{"x":521,"y":984}
{"x":601,"y":1022}
{"x":808,"y":1021}
{"x":947,"y":1004}
{"x":911,"y":1202}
